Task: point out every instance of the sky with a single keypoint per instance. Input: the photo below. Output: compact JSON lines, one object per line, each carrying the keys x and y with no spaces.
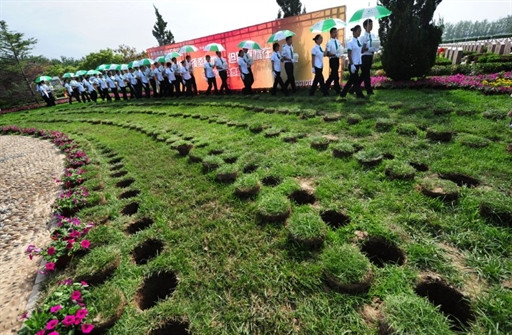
{"x":74,"y":28}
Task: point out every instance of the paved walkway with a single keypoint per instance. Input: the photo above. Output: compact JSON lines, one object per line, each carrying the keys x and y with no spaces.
{"x":28,"y":169}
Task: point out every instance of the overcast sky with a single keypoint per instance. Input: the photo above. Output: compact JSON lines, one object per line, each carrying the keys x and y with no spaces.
{"x":74,"y":28}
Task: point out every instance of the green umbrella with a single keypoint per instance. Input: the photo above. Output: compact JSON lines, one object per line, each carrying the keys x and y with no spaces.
{"x":187,"y":48}
{"x":68,"y":75}
{"x":171,"y":55}
{"x":93,"y":72}
{"x":42,"y":78}
{"x":326,"y":25}
{"x":122,"y":67}
{"x":146,"y":62}
{"x":133,"y":64}
{"x":214,"y":47}
{"x":248,"y":44}
{"x":80,"y":73}
{"x":280,"y":35}
{"x":111,"y":67}
{"x":102,"y":67}
{"x":160,"y":59}
{"x":376,"y":12}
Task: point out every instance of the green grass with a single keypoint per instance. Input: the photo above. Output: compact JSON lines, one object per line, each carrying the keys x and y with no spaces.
{"x":239,"y":275}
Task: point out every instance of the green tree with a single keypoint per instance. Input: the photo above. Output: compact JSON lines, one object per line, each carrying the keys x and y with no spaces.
{"x":105,"y":56}
{"x":163,"y":36}
{"x":409,"y":38}
{"x":129,"y":53}
{"x":290,"y":7}
{"x":14,"y":50}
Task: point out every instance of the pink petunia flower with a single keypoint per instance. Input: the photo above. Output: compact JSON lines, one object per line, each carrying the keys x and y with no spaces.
{"x":51,"y":251}
{"x":69,"y":320}
{"x":76,"y":295}
{"x":53,"y":333}
{"x":87,"y":328}
{"x":41,"y":332}
{"x":84,"y":283}
{"x":50,"y":266}
{"x":52,"y":324}
{"x":81,"y":313}
{"x":85,"y":244}
{"x":55,"y":308}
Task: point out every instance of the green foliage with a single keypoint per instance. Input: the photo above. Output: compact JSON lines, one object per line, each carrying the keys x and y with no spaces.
{"x":409,"y":38}
{"x":163,"y":36}
{"x":345,"y":263}
{"x":468,"y":29}
{"x":290,"y":7}
{"x":104,"y":56}
{"x":473,"y":141}
{"x":273,"y":205}
{"x":407,"y":129}
{"x":306,"y":226}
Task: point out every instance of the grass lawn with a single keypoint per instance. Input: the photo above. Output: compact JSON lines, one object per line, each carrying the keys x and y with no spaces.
{"x":226,"y":215}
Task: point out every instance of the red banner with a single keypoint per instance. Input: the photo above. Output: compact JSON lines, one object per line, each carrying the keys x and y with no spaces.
{"x":302,"y":44}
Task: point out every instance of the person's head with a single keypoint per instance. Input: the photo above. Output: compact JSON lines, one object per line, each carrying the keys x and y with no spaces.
{"x":187,"y":58}
{"x":207,"y":58}
{"x":275,"y":46}
{"x":368,"y":25}
{"x":318,"y":39}
{"x":217,"y":53}
{"x":241,"y":53}
{"x":245,"y":50}
{"x":168,"y":64}
{"x":42,"y":82}
{"x":183,"y":62}
{"x":289,"y":40}
{"x":101,"y":75}
{"x":333,"y":32}
{"x":66,"y":81}
{"x":356,"y":31}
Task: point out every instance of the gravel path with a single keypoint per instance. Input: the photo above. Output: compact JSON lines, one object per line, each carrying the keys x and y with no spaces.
{"x":28,"y":169}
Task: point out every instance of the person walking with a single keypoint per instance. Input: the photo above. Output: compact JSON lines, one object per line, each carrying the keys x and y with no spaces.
{"x":112,"y":85}
{"x":276,"y":60}
{"x":367,"y":55}
{"x":244,"y":73}
{"x":187,"y":78}
{"x":249,"y":61}
{"x":69,"y":90}
{"x":176,"y":68}
{"x":288,"y":64}
{"x":46,"y":94}
{"x":171,"y":80}
{"x":83,"y":93}
{"x":74,"y":86}
{"x":131,"y":82}
{"x":332,"y":48}
{"x":354,"y":61}
{"x":121,"y":84}
{"x":318,"y":66}
{"x":210,"y":76}
{"x":90,"y":89}
{"x":104,"y":88}
{"x":190,"y":68}
{"x":159,"y":78}
{"x":222,"y":67}
{"x":142,"y":74}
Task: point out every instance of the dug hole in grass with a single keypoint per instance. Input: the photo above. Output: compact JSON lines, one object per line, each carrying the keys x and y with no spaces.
{"x":274,"y":208}
{"x":155,"y":287}
{"x":382,"y":251}
{"x":307,"y":229}
{"x":496,"y":207}
{"x":171,"y":327}
{"x":147,"y":250}
{"x":346,"y":269}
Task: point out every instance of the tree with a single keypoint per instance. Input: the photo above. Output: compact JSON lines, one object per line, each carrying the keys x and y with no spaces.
{"x":290,"y":7}
{"x":162,"y":36}
{"x":409,"y":38}
{"x":129,"y":53}
{"x":105,"y":56}
{"x":16,"y":49}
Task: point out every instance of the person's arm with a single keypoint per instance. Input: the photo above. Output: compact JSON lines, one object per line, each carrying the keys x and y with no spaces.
{"x":327,"y":50}
{"x":205,"y":74}
{"x":352,"y":68}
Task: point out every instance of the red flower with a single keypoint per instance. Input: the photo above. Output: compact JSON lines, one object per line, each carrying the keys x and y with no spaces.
{"x":86,"y":328}
{"x":52,"y":324}
{"x":69,"y":320}
{"x":76,"y":295}
{"x":85,"y":244}
{"x":50,"y":266}
{"x":51,"y":251}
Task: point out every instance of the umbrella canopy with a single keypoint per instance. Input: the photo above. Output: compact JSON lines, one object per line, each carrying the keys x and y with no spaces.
{"x":133,"y":64}
{"x":93,"y":72}
{"x":187,"y":48}
{"x":327,"y":24}
{"x":146,"y":62}
{"x":214,"y":47}
{"x":111,"y":67}
{"x":160,"y":59}
{"x":171,"y":55}
{"x":280,"y":35}
{"x":80,"y":73}
{"x":102,"y":67}
{"x":122,"y":67}
{"x":248,"y":44}
{"x":68,"y":75}
{"x":42,"y":78}
{"x":376,"y":12}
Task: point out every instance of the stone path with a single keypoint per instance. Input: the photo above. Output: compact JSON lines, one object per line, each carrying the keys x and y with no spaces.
{"x":28,"y":169}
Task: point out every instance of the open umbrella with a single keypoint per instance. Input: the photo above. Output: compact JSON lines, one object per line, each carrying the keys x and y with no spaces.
{"x":68,"y":75}
{"x":187,"y":48}
{"x":327,"y":24}
{"x":42,"y":78}
{"x":171,"y":55}
{"x":214,"y":47}
{"x":102,"y":67}
{"x":248,"y":44}
{"x":111,"y":67}
{"x":145,"y":62}
{"x":280,"y":35}
{"x":93,"y":72}
{"x":80,"y":73}
{"x":122,"y":67}
{"x":160,"y":59}
{"x":133,"y":64}
{"x":376,"y":12}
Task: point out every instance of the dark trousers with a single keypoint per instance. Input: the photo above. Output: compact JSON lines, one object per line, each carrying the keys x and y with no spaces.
{"x":366,"y":66}
{"x":288,"y":67}
{"x":212,"y":82}
{"x":76,"y":94}
{"x":106,"y":95}
{"x":123,"y":91}
{"x":147,"y":90}
{"x":138,"y":89}
{"x":193,"y":83}
{"x":251,"y":79}
{"x":85,"y":96}
{"x":278,"y":80}
{"x":169,"y":88}
{"x":116,"y":95}
{"x":163,"y":88}
{"x":177,"y":85}
{"x":224,"y":78}
{"x":248,"y":80}
{"x":334,"y":65}
{"x":100,"y":92}
{"x":71,"y":95}
{"x":132,"y":91}
{"x":94,"y":95}
{"x":153,"y":86}
{"x":189,"y":88}
{"x":353,"y":82}
{"x":318,"y":80}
